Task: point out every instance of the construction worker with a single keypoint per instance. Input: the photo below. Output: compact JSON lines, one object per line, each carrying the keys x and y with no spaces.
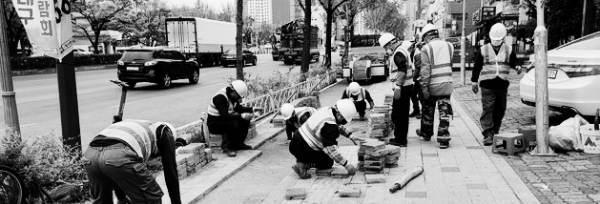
{"x":228,"y":117}
{"x":491,"y":69}
{"x":315,"y":145}
{"x":294,"y":118}
{"x":436,"y":85}
{"x":117,"y":157}
{"x":401,"y":70}
{"x":359,"y":95}
{"x":416,"y":96}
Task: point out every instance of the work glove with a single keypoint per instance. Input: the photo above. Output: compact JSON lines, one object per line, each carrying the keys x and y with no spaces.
{"x":475,"y":88}
{"x":372,"y":104}
{"x":397,"y":92}
{"x":345,"y":131}
{"x":351,"y":169}
{"x":247,"y":116}
{"x":519,"y":69}
{"x":260,"y":110}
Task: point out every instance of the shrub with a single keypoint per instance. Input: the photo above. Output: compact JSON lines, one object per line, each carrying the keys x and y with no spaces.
{"x":25,"y":63}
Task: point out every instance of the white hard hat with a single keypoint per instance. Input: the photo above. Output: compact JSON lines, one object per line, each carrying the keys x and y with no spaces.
{"x":428,"y":28}
{"x":346,"y":108}
{"x":239,"y":87}
{"x":497,"y":32}
{"x":287,"y":110}
{"x":385,"y":39}
{"x":354,"y":88}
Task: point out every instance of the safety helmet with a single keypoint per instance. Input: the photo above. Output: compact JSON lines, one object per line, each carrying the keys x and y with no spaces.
{"x":354,"y":88}
{"x":287,"y":110}
{"x":385,"y":39}
{"x":346,"y":108}
{"x":497,"y":32}
{"x":239,"y":87}
{"x":428,"y":28}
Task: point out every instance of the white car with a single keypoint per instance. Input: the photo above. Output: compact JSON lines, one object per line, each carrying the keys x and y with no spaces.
{"x":573,"y":77}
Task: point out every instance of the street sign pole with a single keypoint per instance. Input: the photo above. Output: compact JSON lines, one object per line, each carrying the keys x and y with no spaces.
{"x":67,"y":94}
{"x":462,"y":46}
{"x":11,"y":116}
{"x":541,"y":84}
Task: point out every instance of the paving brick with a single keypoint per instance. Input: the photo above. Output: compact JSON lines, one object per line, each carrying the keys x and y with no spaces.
{"x":339,"y":173}
{"x":324,"y":172}
{"x":346,"y":191}
{"x":192,"y":148}
{"x":296,"y":194}
{"x":375,"y":178}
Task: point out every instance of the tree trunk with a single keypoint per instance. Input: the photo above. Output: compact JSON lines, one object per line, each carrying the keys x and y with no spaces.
{"x":328,"y":38}
{"x":307,"y":41}
{"x":238,"y":41}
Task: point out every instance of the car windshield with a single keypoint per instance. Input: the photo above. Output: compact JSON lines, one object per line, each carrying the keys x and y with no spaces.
{"x":137,"y":55}
{"x":592,"y":43}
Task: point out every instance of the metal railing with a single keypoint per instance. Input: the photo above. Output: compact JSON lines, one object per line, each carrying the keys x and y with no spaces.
{"x":272,"y":101}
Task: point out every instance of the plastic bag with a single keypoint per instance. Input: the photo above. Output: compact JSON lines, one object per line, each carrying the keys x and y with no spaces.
{"x":566,"y":136}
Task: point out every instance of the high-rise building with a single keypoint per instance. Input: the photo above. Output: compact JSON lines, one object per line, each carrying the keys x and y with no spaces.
{"x":261,"y":11}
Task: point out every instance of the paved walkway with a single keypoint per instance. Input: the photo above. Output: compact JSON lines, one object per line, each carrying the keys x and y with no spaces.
{"x":572,"y":177}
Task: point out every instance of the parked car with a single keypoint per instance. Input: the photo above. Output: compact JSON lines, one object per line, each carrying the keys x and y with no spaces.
{"x":573,"y":77}
{"x":156,"y":65}
{"x":79,"y":52}
{"x":229,"y":57}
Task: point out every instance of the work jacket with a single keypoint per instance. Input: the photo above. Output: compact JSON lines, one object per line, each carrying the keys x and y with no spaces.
{"x":436,"y":68}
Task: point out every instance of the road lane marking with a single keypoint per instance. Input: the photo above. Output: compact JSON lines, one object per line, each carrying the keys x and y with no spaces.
{"x":208,"y":86}
{"x":128,"y":103}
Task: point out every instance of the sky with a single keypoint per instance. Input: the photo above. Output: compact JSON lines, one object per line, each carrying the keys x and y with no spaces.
{"x":214,"y":3}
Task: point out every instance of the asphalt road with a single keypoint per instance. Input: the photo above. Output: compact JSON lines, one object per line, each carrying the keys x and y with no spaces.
{"x":98,"y":99}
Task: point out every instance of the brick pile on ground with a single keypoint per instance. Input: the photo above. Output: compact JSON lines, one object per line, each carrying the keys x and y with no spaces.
{"x":378,"y":126}
{"x":192,"y":158}
{"x":388,"y":99}
{"x":374,"y":155}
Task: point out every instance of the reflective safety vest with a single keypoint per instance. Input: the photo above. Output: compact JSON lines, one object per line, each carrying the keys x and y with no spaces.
{"x":311,"y":129}
{"x":302,"y":110}
{"x":212,"y":109}
{"x":140,"y":135}
{"x":495,"y":64}
{"x":361,"y":94}
{"x":394,"y":69}
{"x":440,"y":56}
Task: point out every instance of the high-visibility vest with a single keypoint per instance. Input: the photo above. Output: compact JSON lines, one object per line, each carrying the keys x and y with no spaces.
{"x":212,"y":109}
{"x":409,"y":71}
{"x":440,"y":55}
{"x":311,"y":129}
{"x":140,"y":135}
{"x":361,"y":94}
{"x":299,"y":112}
{"x":495,"y":64}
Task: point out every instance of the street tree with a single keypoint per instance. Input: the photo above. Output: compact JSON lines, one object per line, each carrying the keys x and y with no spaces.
{"x":143,"y":25}
{"x":386,"y":18}
{"x":15,"y":30}
{"x":349,"y":11}
{"x":97,"y":14}
{"x":330,"y":7}
{"x":238,"y":39}
{"x":306,"y":7}
{"x":227,"y":13}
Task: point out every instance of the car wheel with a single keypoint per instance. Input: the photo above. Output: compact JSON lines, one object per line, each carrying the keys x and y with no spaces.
{"x":275,"y":58}
{"x":166,"y":80}
{"x":195,"y":77}
{"x":255,"y":62}
{"x":131,"y":84}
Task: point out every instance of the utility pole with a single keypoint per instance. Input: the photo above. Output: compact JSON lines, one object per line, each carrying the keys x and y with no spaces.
{"x":541,"y":83}
{"x":462,"y":45}
{"x":11,"y":116}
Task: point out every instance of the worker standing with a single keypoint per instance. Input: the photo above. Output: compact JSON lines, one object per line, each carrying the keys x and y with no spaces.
{"x":491,"y":69}
{"x":360,"y":96}
{"x":294,"y":118}
{"x":436,"y":85}
{"x":228,"y":117}
{"x":401,"y":69}
{"x":416,"y":96}
{"x":315,"y":143}
{"x":117,"y":156}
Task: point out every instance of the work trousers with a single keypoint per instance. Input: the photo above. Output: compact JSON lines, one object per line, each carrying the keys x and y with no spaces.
{"x":119,"y":165}
{"x":361,"y":107}
{"x":307,"y":155}
{"x":400,"y":112}
{"x":493,"y":102}
{"x":234,"y":131}
{"x":415,"y":97}
{"x":428,"y":114}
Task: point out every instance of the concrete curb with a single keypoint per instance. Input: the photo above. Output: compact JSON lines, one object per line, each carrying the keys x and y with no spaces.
{"x":516,"y":184}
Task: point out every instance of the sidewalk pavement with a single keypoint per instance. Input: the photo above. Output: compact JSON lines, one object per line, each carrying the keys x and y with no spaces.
{"x":572,"y":177}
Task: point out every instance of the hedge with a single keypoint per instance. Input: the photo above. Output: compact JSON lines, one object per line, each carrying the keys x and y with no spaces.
{"x":27,"y":63}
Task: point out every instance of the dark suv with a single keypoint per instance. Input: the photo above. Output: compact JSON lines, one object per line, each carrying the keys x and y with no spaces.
{"x":157,"y":66}
{"x":229,"y":57}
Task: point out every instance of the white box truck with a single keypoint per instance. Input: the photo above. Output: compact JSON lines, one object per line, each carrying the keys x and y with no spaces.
{"x":200,"y":38}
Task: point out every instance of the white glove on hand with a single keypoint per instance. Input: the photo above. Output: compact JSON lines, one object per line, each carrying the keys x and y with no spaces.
{"x":258,"y":109}
{"x":247,"y":116}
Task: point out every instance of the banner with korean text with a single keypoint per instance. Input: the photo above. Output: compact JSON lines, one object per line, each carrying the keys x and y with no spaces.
{"x":48,"y":26}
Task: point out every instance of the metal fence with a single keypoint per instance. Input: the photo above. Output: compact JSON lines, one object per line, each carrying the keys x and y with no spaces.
{"x":274,"y":99}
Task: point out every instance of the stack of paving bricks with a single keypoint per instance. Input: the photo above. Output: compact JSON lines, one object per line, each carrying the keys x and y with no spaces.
{"x":387,"y":117}
{"x":373,"y":156}
{"x":379,"y":127}
{"x":191,"y":158}
{"x":388,"y":99}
